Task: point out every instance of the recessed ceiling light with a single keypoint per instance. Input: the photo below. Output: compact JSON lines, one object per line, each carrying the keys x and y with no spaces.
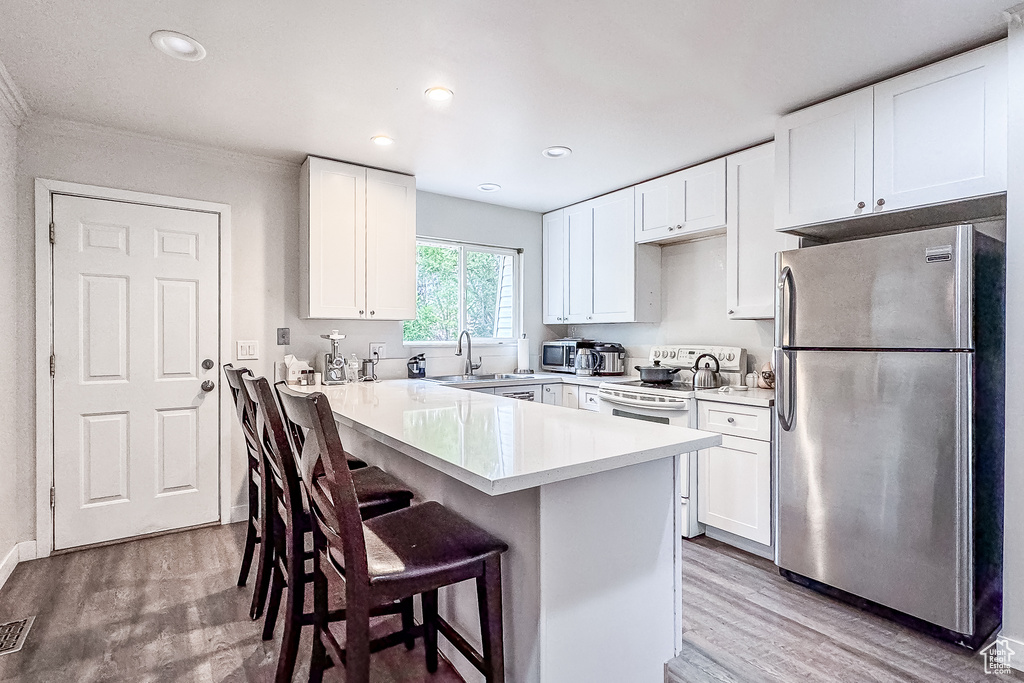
{"x":556,"y":152}
{"x":178,"y":45}
{"x":488,"y":187}
{"x":382,"y":140}
{"x":439,"y":94}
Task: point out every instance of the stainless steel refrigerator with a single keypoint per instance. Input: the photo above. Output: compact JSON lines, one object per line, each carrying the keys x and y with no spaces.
{"x":889,"y":434}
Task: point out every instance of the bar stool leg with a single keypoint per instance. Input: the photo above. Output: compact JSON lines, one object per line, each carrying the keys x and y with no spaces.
{"x":488,"y":591}
{"x":274,"y":604}
{"x":357,"y":639}
{"x":408,"y":622}
{"x":429,"y":600}
{"x":318,"y":661}
{"x":251,"y":538}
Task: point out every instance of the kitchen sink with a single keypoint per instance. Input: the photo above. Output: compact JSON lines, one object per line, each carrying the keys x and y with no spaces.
{"x":477,"y":378}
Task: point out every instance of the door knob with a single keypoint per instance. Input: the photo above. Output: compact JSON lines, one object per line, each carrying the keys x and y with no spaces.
{"x":208,"y":364}
{"x":207,"y":386}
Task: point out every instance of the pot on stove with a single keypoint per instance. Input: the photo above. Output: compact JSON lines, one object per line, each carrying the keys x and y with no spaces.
{"x":656,"y":374}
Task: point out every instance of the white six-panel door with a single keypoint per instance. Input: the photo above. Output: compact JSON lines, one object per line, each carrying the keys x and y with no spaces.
{"x":135,"y":314}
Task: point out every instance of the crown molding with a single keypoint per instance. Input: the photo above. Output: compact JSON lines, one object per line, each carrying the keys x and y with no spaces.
{"x":11,"y":101}
{"x":51,"y":125}
{"x":1015,"y":15}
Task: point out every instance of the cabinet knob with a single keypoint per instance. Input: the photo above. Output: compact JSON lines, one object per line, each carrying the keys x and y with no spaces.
{"x":360,"y":312}
{"x":590,"y":317}
{"x":881,"y":202}
{"x":731,"y":420}
{"x":371,"y":312}
{"x":861,"y":205}
{"x":671,"y":228}
{"x":731,"y":311}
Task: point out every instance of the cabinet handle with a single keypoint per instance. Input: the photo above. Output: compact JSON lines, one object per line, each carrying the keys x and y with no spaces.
{"x":590,"y":317}
{"x":371,"y":312}
{"x":731,"y":420}
{"x":671,"y":228}
{"x":731,"y":311}
{"x":360,"y":312}
{"x":861,"y":205}
{"x":881,"y":202}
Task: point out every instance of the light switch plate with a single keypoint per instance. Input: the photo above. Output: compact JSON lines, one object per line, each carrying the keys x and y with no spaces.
{"x":380,"y":348}
{"x":247,"y":350}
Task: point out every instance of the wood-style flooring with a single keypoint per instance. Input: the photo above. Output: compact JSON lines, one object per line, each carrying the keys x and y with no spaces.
{"x":743,"y":622}
{"x":159,"y":609}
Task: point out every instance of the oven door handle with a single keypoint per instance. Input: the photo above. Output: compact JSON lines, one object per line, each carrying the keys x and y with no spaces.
{"x":618,"y":400}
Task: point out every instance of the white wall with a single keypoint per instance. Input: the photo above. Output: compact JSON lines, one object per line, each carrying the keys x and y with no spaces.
{"x":1013,"y":522}
{"x":9,"y":331}
{"x":693,"y":309}
{"x":263,"y":195}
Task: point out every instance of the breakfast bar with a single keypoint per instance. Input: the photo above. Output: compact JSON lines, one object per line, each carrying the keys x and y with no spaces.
{"x":588,"y":504}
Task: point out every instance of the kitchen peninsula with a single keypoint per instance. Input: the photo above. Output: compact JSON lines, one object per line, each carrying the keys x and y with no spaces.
{"x":588,"y":503}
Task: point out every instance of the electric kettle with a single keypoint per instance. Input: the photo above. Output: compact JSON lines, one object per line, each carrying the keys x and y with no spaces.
{"x":704,"y":377}
{"x":588,"y":361}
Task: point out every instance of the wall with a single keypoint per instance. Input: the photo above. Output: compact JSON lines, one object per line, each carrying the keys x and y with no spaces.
{"x":1013,"y":523}
{"x":9,"y":332}
{"x":693,"y":309}
{"x":263,"y":195}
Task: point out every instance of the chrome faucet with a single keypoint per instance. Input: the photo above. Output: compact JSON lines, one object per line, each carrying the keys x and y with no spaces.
{"x":470,"y":365}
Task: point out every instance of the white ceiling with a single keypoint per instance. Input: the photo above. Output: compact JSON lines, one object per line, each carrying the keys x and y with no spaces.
{"x":636,"y":89}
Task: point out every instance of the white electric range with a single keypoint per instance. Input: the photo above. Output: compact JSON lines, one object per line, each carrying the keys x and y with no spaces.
{"x":673,"y":404}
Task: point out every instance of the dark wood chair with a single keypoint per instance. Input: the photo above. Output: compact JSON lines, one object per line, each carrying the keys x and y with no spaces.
{"x":288,"y":512}
{"x":391,"y":557}
{"x":255,"y":531}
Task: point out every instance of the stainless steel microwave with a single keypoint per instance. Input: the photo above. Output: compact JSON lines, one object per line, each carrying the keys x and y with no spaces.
{"x":560,"y":355}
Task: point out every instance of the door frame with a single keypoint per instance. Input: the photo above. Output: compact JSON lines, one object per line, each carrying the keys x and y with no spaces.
{"x":44,"y":191}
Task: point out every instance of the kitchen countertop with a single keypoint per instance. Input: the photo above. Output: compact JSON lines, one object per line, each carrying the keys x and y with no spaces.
{"x":499,"y":445}
{"x":538,"y":378}
{"x":764,"y":398}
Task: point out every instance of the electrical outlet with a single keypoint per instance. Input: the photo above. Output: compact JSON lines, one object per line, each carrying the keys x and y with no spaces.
{"x":380,"y":348}
{"x":284,"y":336}
{"x":247,"y":350}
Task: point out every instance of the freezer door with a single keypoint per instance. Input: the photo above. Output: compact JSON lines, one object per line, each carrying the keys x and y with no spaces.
{"x":908,"y":291}
{"x":874,"y":477}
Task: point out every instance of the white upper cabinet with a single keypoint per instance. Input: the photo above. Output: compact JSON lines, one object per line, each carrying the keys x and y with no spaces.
{"x":357,"y":242}
{"x":823,"y":161}
{"x":751,"y":238}
{"x":555,"y":262}
{"x":941,"y":131}
{"x":937,"y":134}
{"x":593,"y":270}
{"x":681,"y":203}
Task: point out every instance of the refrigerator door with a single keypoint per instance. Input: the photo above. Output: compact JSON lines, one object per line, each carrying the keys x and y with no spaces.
{"x":874,"y":477}
{"x":908,"y":291}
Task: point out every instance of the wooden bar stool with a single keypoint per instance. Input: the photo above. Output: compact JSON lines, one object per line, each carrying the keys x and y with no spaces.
{"x":391,"y":557}
{"x":288,"y":511}
{"x":255,"y":531}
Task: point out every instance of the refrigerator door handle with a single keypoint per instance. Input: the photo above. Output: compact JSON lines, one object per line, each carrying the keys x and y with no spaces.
{"x":785,"y":391}
{"x":784,"y":307}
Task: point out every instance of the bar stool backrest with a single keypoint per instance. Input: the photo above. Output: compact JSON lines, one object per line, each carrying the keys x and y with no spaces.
{"x":248,"y":422}
{"x":342,"y":525}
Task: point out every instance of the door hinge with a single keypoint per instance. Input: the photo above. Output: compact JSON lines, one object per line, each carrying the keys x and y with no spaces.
{"x":53,"y":497}
{"x":53,"y":233}
{"x":53,"y":366}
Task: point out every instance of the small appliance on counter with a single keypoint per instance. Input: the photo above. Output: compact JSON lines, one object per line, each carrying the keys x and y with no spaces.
{"x":613,"y":358}
{"x":334,"y":362}
{"x":587,"y":363}
{"x":560,"y":355}
{"x":417,"y":366}
{"x":703,"y":376}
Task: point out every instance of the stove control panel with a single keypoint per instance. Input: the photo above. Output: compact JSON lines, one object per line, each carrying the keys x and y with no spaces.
{"x":731,"y":360}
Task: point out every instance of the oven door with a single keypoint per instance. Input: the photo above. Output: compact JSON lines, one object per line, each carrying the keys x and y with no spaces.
{"x":677,"y":414}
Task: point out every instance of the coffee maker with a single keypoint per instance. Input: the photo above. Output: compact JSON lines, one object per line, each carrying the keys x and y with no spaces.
{"x":334,"y":362}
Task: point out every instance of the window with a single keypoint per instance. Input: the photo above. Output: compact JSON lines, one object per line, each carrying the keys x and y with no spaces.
{"x":464,"y":287}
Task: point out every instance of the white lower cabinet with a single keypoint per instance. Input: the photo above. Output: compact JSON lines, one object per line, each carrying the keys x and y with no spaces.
{"x":734,"y":480}
{"x":570,"y":396}
{"x":553,"y":394}
{"x":589,"y":399}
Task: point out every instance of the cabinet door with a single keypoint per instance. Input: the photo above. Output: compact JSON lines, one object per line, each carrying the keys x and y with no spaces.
{"x":734,"y":488}
{"x":570,"y":396}
{"x":555,"y":267}
{"x":552,"y":394}
{"x":390,"y":246}
{"x":683,"y":202}
{"x":940,"y":131}
{"x":614,"y":258}
{"x":332,"y":239}
{"x":751,"y":238}
{"x":579,"y":224}
{"x":823,"y":161}
{"x":589,"y":399}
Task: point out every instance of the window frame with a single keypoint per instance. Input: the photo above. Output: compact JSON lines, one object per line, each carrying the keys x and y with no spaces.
{"x":517,"y":291}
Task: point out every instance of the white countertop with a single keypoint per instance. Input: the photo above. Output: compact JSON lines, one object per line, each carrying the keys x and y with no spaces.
{"x":751,"y":397}
{"x":539,"y":378}
{"x":496,"y":444}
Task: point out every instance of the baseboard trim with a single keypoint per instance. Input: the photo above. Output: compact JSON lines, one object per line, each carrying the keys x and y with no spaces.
{"x":27,"y":551}
{"x":239,"y":513}
{"x":8,"y":565}
{"x":1017,"y":661}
